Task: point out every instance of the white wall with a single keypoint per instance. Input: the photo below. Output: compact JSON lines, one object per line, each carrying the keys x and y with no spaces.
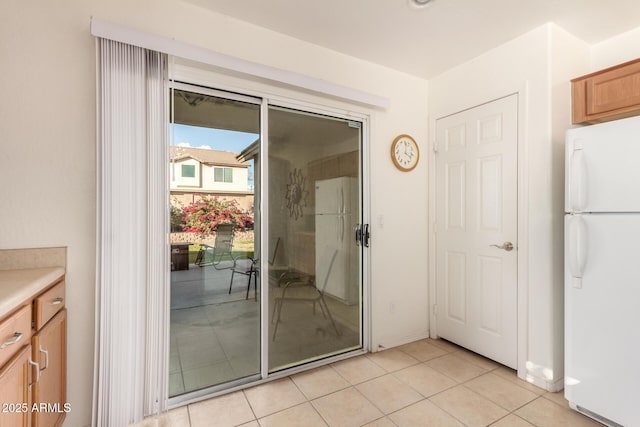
{"x":616,"y":50}
{"x":569,"y":58}
{"x":239,"y":180}
{"x":185,"y":181}
{"x":534,"y":66}
{"x":48,"y":131}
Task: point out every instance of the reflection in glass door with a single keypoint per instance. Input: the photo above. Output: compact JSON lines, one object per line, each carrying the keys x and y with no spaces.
{"x":314,"y":183}
{"x":215,"y":314}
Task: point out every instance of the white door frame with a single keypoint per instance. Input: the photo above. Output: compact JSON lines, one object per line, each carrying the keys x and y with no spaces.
{"x":522,"y":218}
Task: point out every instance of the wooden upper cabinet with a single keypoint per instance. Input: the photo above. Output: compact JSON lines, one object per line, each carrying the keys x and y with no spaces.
{"x":609,"y":94}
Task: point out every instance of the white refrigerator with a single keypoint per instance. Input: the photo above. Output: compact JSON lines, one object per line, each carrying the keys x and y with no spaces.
{"x":336,"y":210}
{"x":602,"y":271}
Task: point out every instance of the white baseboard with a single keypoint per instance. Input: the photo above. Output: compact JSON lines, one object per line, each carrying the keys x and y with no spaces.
{"x":384,"y":344}
{"x":537,"y":375}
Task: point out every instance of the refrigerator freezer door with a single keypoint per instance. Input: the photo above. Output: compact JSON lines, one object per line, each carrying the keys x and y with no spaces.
{"x":602,"y":317}
{"x":335,"y":196}
{"x":603,"y":167}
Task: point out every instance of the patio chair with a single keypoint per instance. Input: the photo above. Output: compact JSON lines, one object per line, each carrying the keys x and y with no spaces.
{"x":250,"y":267}
{"x":312,"y":291}
{"x":221,"y":249}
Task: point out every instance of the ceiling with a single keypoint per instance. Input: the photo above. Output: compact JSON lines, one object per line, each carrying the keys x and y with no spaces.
{"x":427,"y":41}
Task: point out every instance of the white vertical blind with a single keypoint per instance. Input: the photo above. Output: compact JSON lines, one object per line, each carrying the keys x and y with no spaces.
{"x":132,"y":247}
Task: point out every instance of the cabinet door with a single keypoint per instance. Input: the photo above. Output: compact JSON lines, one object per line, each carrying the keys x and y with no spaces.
{"x":15,"y":391}
{"x":609,"y":94}
{"x":49,"y":393}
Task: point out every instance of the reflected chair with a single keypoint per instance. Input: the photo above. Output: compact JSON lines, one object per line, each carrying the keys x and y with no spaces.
{"x":221,"y":249}
{"x":250,"y":267}
{"x":304,"y":289}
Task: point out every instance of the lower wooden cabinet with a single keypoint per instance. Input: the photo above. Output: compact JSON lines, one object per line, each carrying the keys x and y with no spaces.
{"x":49,"y":391}
{"x":33,"y":367}
{"x":15,"y":391}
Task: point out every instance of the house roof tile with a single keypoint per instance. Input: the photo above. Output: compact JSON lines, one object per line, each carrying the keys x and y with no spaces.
{"x":206,"y":156}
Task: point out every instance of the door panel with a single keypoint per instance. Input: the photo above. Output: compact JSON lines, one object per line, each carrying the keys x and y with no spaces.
{"x":315,"y":284}
{"x":456,"y":284}
{"x":602,"y":316}
{"x":455,"y":196}
{"x":309,"y":281}
{"x":476,"y":193}
{"x":597,"y":170}
{"x":49,"y":349}
{"x":215,"y":225}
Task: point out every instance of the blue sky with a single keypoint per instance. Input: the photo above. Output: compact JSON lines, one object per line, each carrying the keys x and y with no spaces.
{"x":215,"y":139}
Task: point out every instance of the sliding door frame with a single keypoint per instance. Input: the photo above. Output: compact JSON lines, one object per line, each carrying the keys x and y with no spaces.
{"x":365,"y":212}
{"x":194,"y":80}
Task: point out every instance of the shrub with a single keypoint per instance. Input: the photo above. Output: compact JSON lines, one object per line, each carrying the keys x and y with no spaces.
{"x":176,"y":219}
{"x":204,"y":215}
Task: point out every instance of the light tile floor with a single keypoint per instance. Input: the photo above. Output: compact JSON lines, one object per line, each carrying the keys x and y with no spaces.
{"x":424,"y":383}
{"x":215,"y":335}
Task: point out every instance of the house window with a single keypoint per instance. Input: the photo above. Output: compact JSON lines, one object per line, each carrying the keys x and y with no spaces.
{"x":223,"y":174}
{"x":188,"y":171}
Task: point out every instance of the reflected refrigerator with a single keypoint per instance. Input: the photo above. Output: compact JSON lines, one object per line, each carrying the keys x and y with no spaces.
{"x":336,"y":213}
{"x":602,"y":271}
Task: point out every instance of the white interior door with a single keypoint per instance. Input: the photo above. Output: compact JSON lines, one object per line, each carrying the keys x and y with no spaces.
{"x":476,"y":231}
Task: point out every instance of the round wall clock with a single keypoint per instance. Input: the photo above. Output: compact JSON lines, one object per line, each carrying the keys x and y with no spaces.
{"x":405,"y":153}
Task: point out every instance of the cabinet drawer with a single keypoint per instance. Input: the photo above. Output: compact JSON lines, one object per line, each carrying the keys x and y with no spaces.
{"x":48,"y":304}
{"x":15,"y":333}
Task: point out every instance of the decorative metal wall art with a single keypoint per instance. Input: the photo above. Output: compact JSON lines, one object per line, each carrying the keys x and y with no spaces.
{"x":296,"y":193}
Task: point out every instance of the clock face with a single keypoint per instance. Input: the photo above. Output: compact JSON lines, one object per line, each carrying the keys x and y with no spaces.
{"x":405,"y":153}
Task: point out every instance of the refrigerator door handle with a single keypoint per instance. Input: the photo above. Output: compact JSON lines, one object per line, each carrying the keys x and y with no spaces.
{"x":577,"y":183}
{"x":577,"y":246}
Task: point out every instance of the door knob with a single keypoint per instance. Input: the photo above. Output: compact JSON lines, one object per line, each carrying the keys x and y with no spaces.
{"x":507,"y":246}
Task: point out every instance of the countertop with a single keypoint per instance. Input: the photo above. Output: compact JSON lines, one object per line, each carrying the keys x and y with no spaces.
{"x":18,"y":286}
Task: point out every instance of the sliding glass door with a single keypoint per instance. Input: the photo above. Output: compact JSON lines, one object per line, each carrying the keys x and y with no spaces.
{"x":315,"y":212}
{"x":239,"y":314}
{"x":215,"y":229}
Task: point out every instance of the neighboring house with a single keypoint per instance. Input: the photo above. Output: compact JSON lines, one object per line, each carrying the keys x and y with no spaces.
{"x":199,"y":171}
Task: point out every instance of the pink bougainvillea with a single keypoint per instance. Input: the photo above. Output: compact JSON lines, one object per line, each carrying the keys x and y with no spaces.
{"x":204,"y":215}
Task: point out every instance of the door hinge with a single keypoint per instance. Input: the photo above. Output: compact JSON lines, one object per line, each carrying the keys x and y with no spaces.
{"x":435,"y":147}
{"x":435,"y":309}
{"x":435,"y":227}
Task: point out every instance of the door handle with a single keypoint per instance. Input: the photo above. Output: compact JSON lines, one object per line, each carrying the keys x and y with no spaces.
{"x":46,"y":358}
{"x":37,"y":371}
{"x":14,"y":340}
{"x":507,"y":246}
{"x":577,"y":246}
{"x":365,"y":235}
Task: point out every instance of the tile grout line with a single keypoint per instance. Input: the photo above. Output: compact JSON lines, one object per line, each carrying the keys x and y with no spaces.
{"x":310,"y":402}
{"x":255,"y":418}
